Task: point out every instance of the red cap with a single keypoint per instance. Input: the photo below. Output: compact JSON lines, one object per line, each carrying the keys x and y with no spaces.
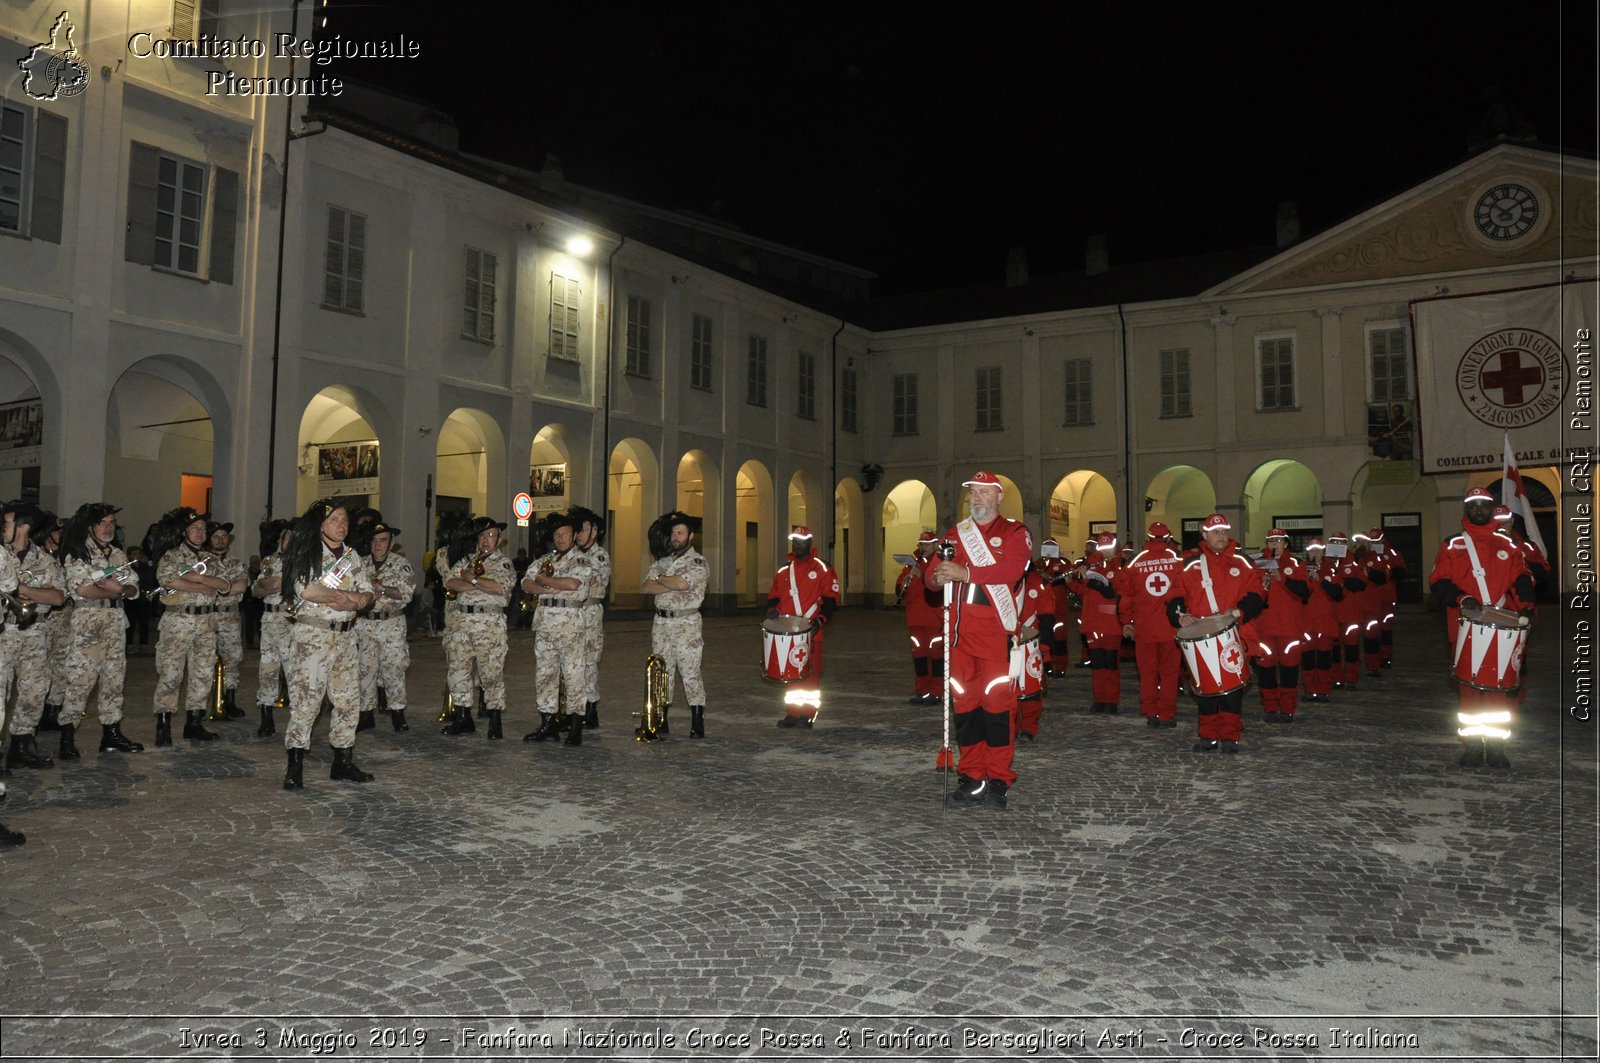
{"x":1502,"y":512}
{"x":1478,"y":494}
{"x":928,"y":536}
{"x":1277,"y":533}
{"x":1360,"y":537}
{"x":1159,"y":530}
{"x":1375,"y":535}
{"x":1341,"y":536}
{"x":984,"y":479}
{"x":1314,"y":544}
{"x":1214,"y":522}
{"x":800,"y":532}
{"x":1105,"y":541}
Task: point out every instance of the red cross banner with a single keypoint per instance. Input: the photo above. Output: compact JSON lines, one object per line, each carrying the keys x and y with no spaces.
{"x":1497,"y":363}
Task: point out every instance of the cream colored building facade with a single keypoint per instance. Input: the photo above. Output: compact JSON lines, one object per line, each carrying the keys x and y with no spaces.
{"x":440,"y":311}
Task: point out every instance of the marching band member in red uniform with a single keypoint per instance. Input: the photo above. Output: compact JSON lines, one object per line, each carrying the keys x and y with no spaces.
{"x":1280,"y":631}
{"x":1031,"y":683}
{"x":1375,"y":572}
{"x":1099,"y":624}
{"x":806,"y":587}
{"x":1218,"y":581}
{"x":1144,"y":586}
{"x":1538,"y":565}
{"x":1322,"y":625}
{"x":924,"y":622}
{"x":1053,"y":608}
{"x":1352,"y":584}
{"x":1396,"y":564}
{"x":1481,"y":567}
{"x":991,"y":555}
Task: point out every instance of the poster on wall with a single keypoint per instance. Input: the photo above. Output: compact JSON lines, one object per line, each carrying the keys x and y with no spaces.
{"x":21,"y":434}
{"x":347,"y":469}
{"x":548,"y":486}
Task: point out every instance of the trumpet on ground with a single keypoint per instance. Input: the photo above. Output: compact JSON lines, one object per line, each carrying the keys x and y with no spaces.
{"x":657,"y":690}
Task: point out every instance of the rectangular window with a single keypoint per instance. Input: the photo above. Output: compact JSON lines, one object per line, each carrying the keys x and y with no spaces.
{"x":700,"y":352}
{"x":1275,"y":372}
{"x":13,"y":166}
{"x":1388,"y":373}
{"x":806,"y":386}
{"x":176,"y":207}
{"x":905,"y":404}
{"x":847,"y":399}
{"x":988,"y":399}
{"x":180,"y":213}
{"x":477,"y":310}
{"x":563,"y":317}
{"x":756,"y":375}
{"x":637,"y":360}
{"x":1079,"y":394}
{"x":192,"y":19}
{"x":345,"y":262}
{"x":1175,"y":383}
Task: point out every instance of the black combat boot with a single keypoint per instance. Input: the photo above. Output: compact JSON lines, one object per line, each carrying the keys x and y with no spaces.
{"x":69,"y":743}
{"x":51,"y":720}
{"x":1472,"y":755}
{"x":11,"y":838}
{"x":1494,"y":754}
{"x":398,"y":718}
{"x":697,"y":721}
{"x":163,"y":728}
{"x":194,"y":728}
{"x":292,"y":777}
{"x":366,"y":721}
{"x":267,"y":728}
{"x":575,"y":729}
{"x":112,"y":740}
{"x":25,"y":753}
{"x":345,"y":767}
{"x":230,"y":707}
{"x":548,"y":728}
{"x":591,"y":716}
{"x":460,"y":723}
{"x":494,"y":726}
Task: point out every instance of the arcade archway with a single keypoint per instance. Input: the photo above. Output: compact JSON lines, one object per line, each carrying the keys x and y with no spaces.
{"x":752,"y":532}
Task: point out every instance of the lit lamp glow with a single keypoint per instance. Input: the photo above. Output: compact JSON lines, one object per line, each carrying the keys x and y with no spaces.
{"x":580,"y":246}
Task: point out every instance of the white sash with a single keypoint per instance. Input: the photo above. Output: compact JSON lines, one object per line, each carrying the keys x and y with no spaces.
{"x":978,"y":553}
{"x":794,"y":595}
{"x":1478,"y":572}
{"x":1205,"y":583}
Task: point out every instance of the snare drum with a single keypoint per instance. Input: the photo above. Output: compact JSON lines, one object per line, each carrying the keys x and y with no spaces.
{"x":1214,"y":655}
{"x":1490,"y":643}
{"x":786,"y":648}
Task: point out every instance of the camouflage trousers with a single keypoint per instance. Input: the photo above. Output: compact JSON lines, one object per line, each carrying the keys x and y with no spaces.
{"x":25,"y":656}
{"x":274,"y":657}
{"x":476,"y":640}
{"x":185,"y":643}
{"x":594,"y":641}
{"x":96,"y":655}
{"x":559,"y":648}
{"x":322,"y":662}
{"x":230,"y":647}
{"x":385,"y":656}
{"x":58,"y":626}
{"x":679,"y":641}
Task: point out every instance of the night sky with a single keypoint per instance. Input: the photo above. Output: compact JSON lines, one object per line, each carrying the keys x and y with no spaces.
{"x":922,"y":145}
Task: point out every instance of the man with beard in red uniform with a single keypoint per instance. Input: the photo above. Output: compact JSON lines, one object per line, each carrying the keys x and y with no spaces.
{"x":1481,"y":567}
{"x":1375,"y":573}
{"x":924,"y":622}
{"x":1322,"y":626}
{"x":806,"y":587}
{"x":1218,"y":581}
{"x":1280,"y":634}
{"x":991,"y":555}
{"x":1144,"y":585}
{"x":1102,"y":631}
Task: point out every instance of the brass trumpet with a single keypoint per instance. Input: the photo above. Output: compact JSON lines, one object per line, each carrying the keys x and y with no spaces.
{"x":196,"y":569}
{"x":476,"y":570}
{"x":219,"y":673}
{"x":656,"y":692}
{"x":333,"y":579}
{"x":24,"y":611}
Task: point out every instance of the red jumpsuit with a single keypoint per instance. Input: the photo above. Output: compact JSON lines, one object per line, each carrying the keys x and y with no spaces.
{"x":1030,"y":698}
{"x":1391,"y":603}
{"x":1101,"y":629}
{"x":1144,"y":586}
{"x":1374,"y":604}
{"x":813,"y":593}
{"x":983,"y":695}
{"x":1351,"y":580}
{"x":1235,"y":584}
{"x":1053,"y":610}
{"x":925,"y":627}
{"x":1322,"y":628}
{"x":1280,"y":638}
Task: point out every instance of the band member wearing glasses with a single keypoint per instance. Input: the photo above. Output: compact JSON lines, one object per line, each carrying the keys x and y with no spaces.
{"x":188,"y":638}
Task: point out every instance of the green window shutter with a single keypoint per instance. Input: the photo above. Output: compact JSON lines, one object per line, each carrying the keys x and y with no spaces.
{"x":224,"y":220}
{"x":144,"y":163}
{"x":49,"y":176}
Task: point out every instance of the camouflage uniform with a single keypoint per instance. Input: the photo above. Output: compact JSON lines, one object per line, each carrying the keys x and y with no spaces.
{"x":475,"y":632}
{"x":230,"y":635}
{"x":594,"y":609}
{"x":58,"y":634}
{"x":8,"y":582}
{"x":274,"y":638}
{"x":322,"y":660}
{"x":558,"y":634}
{"x":188,"y":636}
{"x":27,"y":650}
{"x":381,"y":634}
{"x":96,"y":643}
{"x":676,"y":634}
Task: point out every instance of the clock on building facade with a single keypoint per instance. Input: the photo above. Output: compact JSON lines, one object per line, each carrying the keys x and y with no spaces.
{"x":1507,"y":211}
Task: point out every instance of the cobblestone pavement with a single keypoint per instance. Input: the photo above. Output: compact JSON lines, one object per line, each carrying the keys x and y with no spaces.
{"x":678,"y":898}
